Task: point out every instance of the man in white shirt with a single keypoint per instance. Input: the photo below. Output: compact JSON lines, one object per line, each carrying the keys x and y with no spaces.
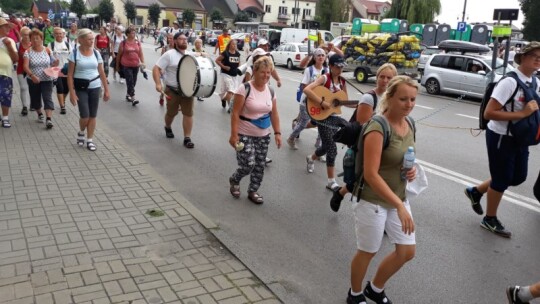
{"x":61,"y":49}
{"x":167,"y":65}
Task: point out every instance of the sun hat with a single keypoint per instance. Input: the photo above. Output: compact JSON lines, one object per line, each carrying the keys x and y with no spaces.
{"x":4,"y":22}
{"x":534,"y":45}
{"x":262,"y":42}
{"x":259,"y":52}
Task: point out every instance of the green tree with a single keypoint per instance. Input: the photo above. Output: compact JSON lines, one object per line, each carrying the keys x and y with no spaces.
{"x":16,"y":6}
{"x":153,"y":13}
{"x":78,"y":7}
{"x":106,"y":10}
{"x":531,"y":11}
{"x":241,"y":16}
{"x":415,"y":11}
{"x":328,"y":11}
{"x":188,"y":16}
{"x":131,"y":11}
{"x":216,"y":15}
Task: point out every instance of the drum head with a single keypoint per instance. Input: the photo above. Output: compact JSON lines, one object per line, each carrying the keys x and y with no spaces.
{"x":187,"y":75}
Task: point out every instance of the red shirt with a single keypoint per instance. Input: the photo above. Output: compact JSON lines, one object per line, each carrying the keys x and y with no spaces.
{"x":102,"y":42}
{"x":130,"y":53}
{"x":20,"y":64}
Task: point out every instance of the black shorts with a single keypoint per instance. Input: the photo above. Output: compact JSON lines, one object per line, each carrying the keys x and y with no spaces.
{"x":62,"y":86}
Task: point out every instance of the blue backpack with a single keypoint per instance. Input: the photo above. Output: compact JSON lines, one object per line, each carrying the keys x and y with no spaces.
{"x":526,"y":131}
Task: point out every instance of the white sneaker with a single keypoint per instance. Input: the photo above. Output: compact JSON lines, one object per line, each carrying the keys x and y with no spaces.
{"x":292,"y":143}
{"x":322,"y":159}
{"x":122,"y":80}
{"x":332,"y":186}
{"x":310,"y":164}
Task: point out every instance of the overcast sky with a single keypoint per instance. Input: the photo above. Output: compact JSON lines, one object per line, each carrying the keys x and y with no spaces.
{"x":477,"y":10}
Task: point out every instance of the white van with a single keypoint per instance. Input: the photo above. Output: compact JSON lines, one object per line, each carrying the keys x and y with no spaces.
{"x":289,"y":35}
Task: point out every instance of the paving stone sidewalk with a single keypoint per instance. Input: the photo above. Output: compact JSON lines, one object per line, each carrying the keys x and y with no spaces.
{"x":74,"y":226}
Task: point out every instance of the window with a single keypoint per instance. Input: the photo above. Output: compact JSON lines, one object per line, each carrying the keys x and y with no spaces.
{"x":268,"y":9}
{"x":437,"y":61}
{"x":475,"y":66}
{"x":283,"y":10}
{"x":456,"y":63}
{"x":296,"y":11}
{"x":139,"y":20}
{"x":307,"y":12}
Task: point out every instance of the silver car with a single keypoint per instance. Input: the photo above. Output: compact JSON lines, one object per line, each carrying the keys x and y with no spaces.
{"x":425,"y":55}
{"x":461,"y":74}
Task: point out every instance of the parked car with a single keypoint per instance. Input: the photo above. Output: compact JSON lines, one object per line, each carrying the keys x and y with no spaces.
{"x":464,"y":74}
{"x":192,"y":37}
{"x":425,"y":55}
{"x":289,"y":54}
{"x":239,"y":37}
{"x":211,"y":36}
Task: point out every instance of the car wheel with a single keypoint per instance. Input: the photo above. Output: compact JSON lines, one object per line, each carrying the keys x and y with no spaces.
{"x":290,"y":65}
{"x":361,"y":75}
{"x":433,"y":87}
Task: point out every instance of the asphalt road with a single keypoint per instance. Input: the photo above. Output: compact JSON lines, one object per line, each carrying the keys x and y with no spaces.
{"x":302,"y":249}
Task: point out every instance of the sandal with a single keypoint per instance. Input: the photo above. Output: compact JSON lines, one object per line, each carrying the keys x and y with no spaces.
{"x":80,"y":139}
{"x":235,"y":188}
{"x":6,"y":123}
{"x":255,"y":198}
{"x":91,"y":146}
{"x":188,"y":143}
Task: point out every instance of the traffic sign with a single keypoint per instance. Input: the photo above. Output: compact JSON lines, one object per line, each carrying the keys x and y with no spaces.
{"x":50,"y":14}
{"x":461,"y":26}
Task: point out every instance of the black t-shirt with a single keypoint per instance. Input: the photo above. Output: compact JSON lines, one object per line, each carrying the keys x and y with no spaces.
{"x":232,"y":61}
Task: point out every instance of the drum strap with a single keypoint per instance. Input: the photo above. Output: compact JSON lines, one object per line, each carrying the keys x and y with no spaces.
{"x":175,"y":90}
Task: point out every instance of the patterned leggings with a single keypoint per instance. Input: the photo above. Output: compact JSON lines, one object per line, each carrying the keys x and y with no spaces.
{"x":130,"y":73}
{"x":327,"y":129}
{"x":251,"y":160}
{"x":301,"y":122}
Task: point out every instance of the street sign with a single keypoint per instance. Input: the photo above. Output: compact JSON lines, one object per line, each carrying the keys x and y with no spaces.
{"x":461,"y":26}
{"x":50,"y":14}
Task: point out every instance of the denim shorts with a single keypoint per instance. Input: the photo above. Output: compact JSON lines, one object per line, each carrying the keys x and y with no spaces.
{"x":6,"y":91}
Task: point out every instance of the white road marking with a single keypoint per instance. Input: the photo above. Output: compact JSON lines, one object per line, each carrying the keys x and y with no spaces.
{"x":514,"y":198}
{"x":424,"y":107}
{"x":468,"y":116}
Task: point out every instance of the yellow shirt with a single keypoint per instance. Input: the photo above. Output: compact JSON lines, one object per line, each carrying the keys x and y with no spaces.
{"x":6,"y":65}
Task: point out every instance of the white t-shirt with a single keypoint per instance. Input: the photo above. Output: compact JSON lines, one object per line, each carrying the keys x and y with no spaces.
{"x":502,"y":92}
{"x":310,"y":77}
{"x":368,"y":99}
{"x":168,"y":63}
{"x":61,"y":51}
{"x":116,"y":40}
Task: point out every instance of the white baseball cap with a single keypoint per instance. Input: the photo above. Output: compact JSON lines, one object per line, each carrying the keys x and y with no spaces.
{"x":262,"y":42}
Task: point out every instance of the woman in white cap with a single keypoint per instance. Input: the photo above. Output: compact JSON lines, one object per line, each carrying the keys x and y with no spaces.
{"x":117,"y":39}
{"x":86,"y":76}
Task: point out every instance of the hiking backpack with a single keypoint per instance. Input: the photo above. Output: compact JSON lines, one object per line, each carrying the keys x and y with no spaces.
{"x":483,"y":122}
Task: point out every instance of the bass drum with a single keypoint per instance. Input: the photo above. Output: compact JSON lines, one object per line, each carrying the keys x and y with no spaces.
{"x":196,"y":76}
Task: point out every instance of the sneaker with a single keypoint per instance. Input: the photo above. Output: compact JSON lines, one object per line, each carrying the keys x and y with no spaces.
{"x":49,"y":124}
{"x":292,"y":143}
{"x":310,"y":164}
{"x":379,"y":298}
{"x":512,"y":295}
{"x":41,"y":118}
{"x":199,"y":99}
{"x":474,"y":196}
{"x":335,"y":201}
{"x":129,"y":98}
{"x":169,"y":133}
{"x":267,"y":160}
{"x":322,"y":158}
{"x":495,"y":226}
{"x":332,"y":186}
{"x":134,"y":102}
{"x":359,"y":299}
{"x":63,"y":110}
{"x":122,"y":80}
{"x":24,"y":111}
{"x":5,"y":123}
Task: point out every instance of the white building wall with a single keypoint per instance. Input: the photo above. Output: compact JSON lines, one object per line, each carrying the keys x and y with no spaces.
{"x":272,"y":16}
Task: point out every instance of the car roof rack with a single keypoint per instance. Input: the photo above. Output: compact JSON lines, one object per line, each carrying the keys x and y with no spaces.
{"x":463,"y":47}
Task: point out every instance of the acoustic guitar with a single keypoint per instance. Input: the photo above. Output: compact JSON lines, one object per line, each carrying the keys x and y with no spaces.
{"x":338,"y":99}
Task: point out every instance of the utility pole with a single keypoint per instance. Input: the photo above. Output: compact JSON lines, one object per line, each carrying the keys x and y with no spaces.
{"x":463,"y":17}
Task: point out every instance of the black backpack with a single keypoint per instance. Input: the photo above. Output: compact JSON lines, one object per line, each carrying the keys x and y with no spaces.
{"x":487,"y":96}
{"x":375,"y":100}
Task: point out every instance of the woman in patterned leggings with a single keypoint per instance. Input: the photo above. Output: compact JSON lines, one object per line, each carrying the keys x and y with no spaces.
{"x":254,"y":110}
{"x":329,"y":126}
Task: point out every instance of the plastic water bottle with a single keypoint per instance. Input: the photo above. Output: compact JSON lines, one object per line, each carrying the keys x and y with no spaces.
{"x":408,"y":162}
{"x":349,"y":166}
